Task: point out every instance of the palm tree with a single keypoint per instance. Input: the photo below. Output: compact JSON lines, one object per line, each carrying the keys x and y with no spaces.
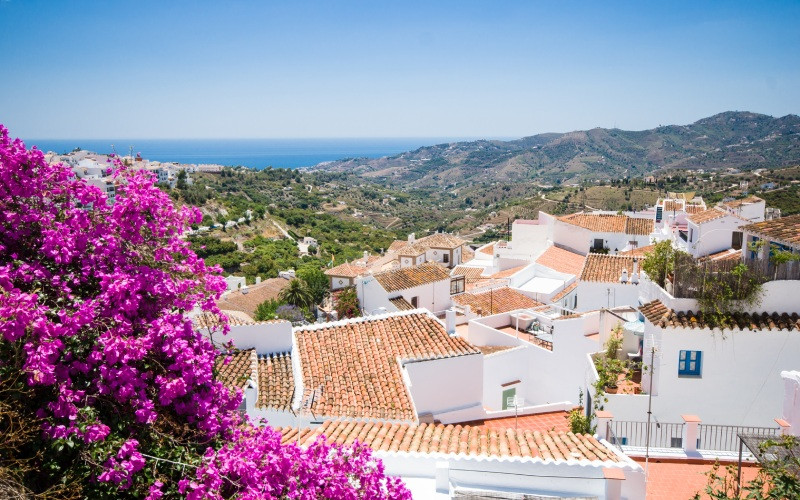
{"x":297,"y":293}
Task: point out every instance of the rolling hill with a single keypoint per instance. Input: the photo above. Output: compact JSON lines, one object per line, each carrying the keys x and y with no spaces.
{"x":741,"y":140}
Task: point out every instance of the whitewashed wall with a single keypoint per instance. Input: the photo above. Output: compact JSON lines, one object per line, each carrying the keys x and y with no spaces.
{"x":594,"y":295}
{"x":447,"y":384}
{"x":265,"y":338}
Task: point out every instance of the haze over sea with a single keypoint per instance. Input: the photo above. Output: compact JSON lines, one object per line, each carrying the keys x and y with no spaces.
{"x":254,"y":153}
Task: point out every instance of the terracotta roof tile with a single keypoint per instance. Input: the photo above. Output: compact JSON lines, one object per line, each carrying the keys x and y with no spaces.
{"x":409,"y":277}
{"x":458,"y":439}
{"x":693,"y":209}
{"x":744,"y":201}
{"x":729,"y":254}
{"x":639,"y":226}
{"x":674,"y":205}
{"x":507,"y":272}
{"x":401,"y":304}
{"x":638,"y":252}
{"x":488,"y":249}
{"x":707,"y":215}
{"x":207,"y":320}
{"x":248,"y":299}
{"x":351,"y":368}
{"x":498,"y":300}
{"x":602,"y":223}
{"x":566,"y":291}
{"x":467,"y":271}
{"x":562,"y":260}
{"x":784,"y":230}
{"x":606,"y":268}
{"x":236,"y":368}
{"x":660,"y":315}
{"x":275,"y":381}
{"x":441,"y":240}
{"x":354,"y":268}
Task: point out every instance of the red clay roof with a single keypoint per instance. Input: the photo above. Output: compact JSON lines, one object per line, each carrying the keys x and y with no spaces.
{"x":401,"y":304}
{"x":543,"y":422}
{"x":660,"y":315}
{"x":467,"y":271}
{"x":602,"y":223}
{"x":495,"y":301}
{"x":639,"y":226}
{"x":707,"y":215}
{"x":275,"y":381}
{"x":606,"y":268}
{"x":562,"y":260}
{"x":488,"y":249}
{"x":409,"y":277}
{"x":236,"y":368}
{"x":783,"y":230}
{"x":457,"y":439}
{"x":744,"y":201}
{"x":351,"y":367}
{"x":247,"y":300}
{"x":566,"y":291}
{"x":638,"y":252}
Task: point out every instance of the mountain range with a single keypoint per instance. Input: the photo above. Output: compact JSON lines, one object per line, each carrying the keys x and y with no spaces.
{"x":733,"y":139}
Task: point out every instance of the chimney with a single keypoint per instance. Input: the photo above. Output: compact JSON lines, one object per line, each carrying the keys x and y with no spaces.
{"x":411,"y":238}
{"x":791,"y":401}
{"x":450,"y":321}
{"x":624,"y":277}
{"x":258,"y":280}
{"x":635,"y":275}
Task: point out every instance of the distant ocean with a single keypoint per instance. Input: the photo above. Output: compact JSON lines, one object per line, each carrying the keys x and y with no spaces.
{"x":255,"y":153}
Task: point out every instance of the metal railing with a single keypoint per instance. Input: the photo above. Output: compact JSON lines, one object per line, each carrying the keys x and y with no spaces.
{"x":662,"y":435}
{"x":724,"y":437}
{"x":670,"y":435}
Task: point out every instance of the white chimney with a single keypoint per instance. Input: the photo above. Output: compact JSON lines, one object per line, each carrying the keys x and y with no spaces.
{"x":450,"y":321}
{"x":411,"y":238}
{"x":366,"y":256}
{"x":635,"y":275}
{"x":258,"y":280}
{"x":624,"y":277}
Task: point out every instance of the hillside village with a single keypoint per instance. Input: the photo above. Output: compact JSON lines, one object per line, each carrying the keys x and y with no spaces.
{"x":551,"y":362}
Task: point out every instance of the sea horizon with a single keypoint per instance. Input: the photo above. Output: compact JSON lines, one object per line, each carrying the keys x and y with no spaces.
{"x":252,"y":153}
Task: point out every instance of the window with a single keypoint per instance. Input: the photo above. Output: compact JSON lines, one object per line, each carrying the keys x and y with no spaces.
{"x":414,"y":302}
{"x":456,"y":285}
{"x":446,"y":258}
{"x":508,"y":398}
{"x":598,"y":243}
{"x":689,"y":363}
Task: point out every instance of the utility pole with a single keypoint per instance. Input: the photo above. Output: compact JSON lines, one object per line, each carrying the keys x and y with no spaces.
{"x":649,"y":410}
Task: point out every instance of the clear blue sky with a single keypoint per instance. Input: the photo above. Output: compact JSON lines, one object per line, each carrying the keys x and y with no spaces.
{"x":175,"y":69}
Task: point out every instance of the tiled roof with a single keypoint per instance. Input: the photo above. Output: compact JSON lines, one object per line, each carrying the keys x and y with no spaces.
{"x":638,"y":252}
{"x":673,"y":205}
{"x":729,"y":254}
{"x":693,"y":209}
{"x":601,"y":223}
{"x":467,"y":271}
{"x":441,"y":240}
{"x":498,"y":300}
{"x":744,"y":201}
{"x":606,"y":268}
{"x":350,"y":269}
{"x":411,"y":249}
{"x":409,"y":277}
{"x":488,"y":249}
{"x":457,"y":439}
{"x":275,"y":381}
{"x":350,"y":367}
{"x":207,"y":320}
{"x":248,"y":299}
{"x":784,"y":230}
{"x":401,"y":304}
{"x":550,"y":421}
{"x":660,"y":315}
{"x":507,"y":272}
{"x":562,"y":260}
{"x":236,"y":368}
{"x":707,"y":215}
{"x":563,"y":293}
{"x":638,"y":225}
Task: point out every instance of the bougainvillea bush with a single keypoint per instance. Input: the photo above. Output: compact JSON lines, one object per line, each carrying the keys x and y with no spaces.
{"x":106,"y":388}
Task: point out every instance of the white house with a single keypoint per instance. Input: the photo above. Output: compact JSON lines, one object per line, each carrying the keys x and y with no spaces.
{"x":751,"y":208}
{"x":580,"y":232}
{"x":608,"y":281}
{"x":711,"y":231}
{"x":782,"y":234}
{"x":443,"y":248}
{"x":449,"y":461}
{"x":424,"y":286}
{"x":727,"y":374}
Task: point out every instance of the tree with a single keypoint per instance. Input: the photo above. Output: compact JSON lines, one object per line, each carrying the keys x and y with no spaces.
{"x":297,"y":294}
{"x":777,"y":479}
{"x":111,"y":390}
{"x":181,"y":183}
{"x":318,"y":284}
{"x":346,"y":303}
{"x":266,"y":310}
{"x":660,"y":262}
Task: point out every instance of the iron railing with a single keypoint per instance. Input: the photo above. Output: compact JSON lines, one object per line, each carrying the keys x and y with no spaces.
{"x":724,"y":437}
{"x":670,"y":435}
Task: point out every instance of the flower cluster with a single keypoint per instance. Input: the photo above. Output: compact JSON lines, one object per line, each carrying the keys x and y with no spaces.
{"x":93,"y":310}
